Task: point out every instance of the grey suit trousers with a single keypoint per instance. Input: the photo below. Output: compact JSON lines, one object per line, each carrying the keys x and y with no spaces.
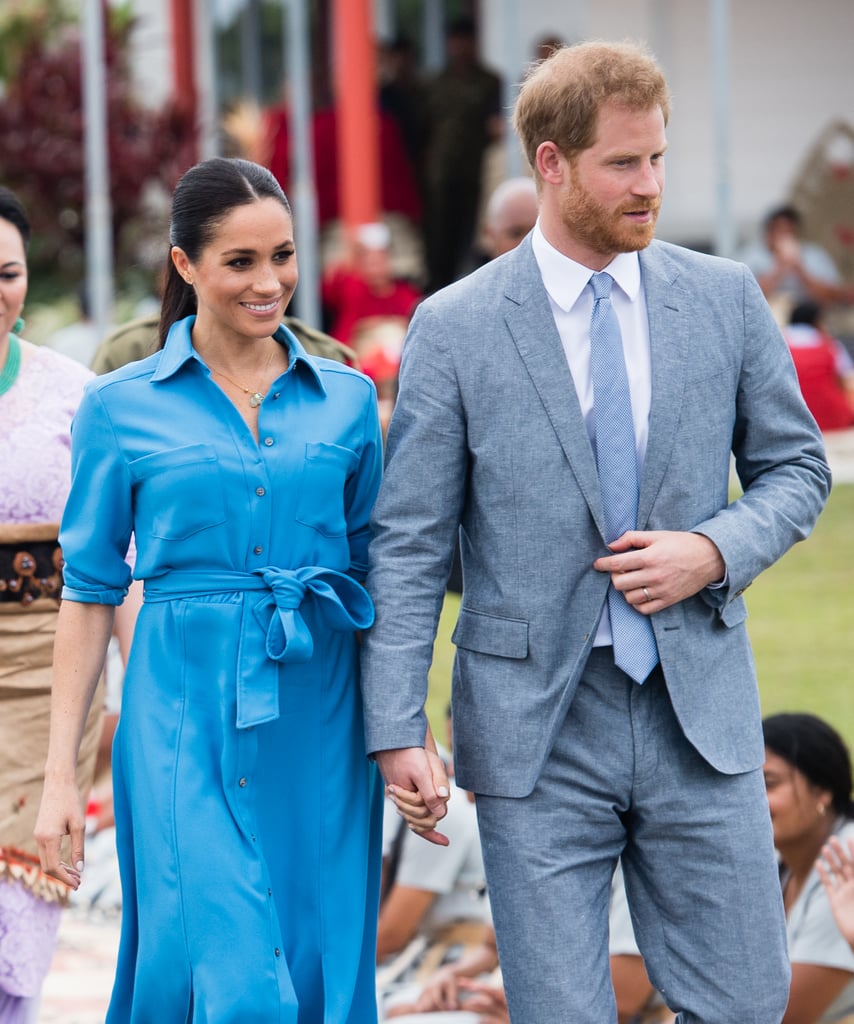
{"x":697,"y":853}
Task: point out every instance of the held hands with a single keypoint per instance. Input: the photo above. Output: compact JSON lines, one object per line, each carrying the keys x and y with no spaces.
{"x":417,"y":782}
{"x":835,"y":868}
{"x":61,"y":814}
{"x":655,"y":569}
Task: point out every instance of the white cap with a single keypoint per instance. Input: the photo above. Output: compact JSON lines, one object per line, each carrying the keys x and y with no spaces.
{"x":374,"y":236}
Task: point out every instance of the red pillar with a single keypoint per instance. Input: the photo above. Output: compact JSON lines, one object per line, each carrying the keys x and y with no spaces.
{"x":357,"y":117}
{"x":184,"y":57}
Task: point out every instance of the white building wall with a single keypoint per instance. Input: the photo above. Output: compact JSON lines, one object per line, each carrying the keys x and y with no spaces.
{"x":151,"y":51}
{"x":791,"y":74}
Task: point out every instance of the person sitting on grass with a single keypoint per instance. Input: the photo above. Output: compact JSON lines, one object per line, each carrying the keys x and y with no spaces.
{"x":473,"y":982}
{"x":835,"y":868}
{"x":808,"y":781}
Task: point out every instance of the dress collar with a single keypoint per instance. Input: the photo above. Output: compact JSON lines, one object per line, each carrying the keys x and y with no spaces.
{"x":179,"y":350}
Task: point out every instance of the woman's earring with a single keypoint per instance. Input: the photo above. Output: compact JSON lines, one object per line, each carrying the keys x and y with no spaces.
{"x":18,"y":325}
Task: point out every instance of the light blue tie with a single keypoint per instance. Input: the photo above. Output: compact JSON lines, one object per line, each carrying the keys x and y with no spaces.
{"x":635,"y":650}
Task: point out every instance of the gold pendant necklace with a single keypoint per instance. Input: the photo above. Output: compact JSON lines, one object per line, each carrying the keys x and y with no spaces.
{"x":255,"y":397}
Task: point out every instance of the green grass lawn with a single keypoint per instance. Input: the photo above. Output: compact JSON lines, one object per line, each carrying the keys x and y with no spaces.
{"x":801,"y":624}
{"x":801,"y":621}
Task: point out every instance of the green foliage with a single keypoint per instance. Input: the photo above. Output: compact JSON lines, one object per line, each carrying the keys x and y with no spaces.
{"x":22,"y":22}
{"x":801,"y":626}
{"x":41,"y":123}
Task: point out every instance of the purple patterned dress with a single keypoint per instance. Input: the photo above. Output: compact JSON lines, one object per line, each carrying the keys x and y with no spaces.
{"x":35,"y":416}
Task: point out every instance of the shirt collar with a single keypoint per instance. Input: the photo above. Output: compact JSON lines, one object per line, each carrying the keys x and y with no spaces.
{"x":179,"y":350}
{"x":565,"y":280}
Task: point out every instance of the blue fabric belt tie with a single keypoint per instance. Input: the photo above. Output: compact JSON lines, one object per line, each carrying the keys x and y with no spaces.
{"x":341,"y":603}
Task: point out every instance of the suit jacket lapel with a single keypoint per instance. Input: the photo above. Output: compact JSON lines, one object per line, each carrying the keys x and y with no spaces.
{"x":531,"y":324}
{"x":669,"y":337}
{"x":532,"y":327}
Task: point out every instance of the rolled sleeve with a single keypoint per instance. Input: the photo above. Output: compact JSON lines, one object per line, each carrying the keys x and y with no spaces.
{"x":97,"y":522}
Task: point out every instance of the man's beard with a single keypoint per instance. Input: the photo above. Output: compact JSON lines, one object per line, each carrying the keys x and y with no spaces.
{"x":607,"y":231}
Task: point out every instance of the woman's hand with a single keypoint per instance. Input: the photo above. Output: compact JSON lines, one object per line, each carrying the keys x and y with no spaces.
{"x":486,"y":999}
{"x":61,"y":814}
{"x":83,"y":632}
{"x":448,"y":990}
{"x":441,"y":992}
{"x":835,"y":868}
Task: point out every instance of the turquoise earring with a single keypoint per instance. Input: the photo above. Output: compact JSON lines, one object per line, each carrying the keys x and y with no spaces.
{"x":19,"y":325}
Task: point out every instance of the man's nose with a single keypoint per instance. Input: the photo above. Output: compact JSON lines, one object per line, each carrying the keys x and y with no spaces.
{"x":649,"y":181}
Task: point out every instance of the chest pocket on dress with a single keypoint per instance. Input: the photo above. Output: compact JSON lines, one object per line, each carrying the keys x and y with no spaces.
{"x":178,"y":492}
{"x":320,"y":499}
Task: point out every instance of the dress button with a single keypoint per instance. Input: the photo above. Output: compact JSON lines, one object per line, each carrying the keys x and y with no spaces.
{"x":268,"y":441}
{"x":260,"y":492}
{"x":242,"y":783}
{"x":258,"y":550}
{"x":278,"y":951}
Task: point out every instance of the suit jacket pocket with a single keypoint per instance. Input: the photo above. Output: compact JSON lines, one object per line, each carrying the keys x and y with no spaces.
{"x":491,"y":634}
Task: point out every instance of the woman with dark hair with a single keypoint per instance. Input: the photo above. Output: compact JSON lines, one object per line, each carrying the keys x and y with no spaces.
{"x":808,"y":780}
{"x":247,"y":813}
{"x":39,"y":391}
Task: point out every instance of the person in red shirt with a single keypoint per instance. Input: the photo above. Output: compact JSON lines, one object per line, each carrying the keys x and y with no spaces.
{"x":362,"y":288}
{"x":369,"y":309}
{"x":824,"y":367}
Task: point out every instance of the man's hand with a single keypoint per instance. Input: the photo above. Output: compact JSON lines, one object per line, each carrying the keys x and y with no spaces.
{"x":786,"y":250}
{"x":658,"y":568}
{"x":417,"y":781}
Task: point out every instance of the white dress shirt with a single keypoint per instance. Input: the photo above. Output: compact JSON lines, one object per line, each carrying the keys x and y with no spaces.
{"x":571,"y":300}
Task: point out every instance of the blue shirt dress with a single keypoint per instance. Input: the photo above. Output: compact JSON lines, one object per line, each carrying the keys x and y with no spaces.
{"x":248,"y":816}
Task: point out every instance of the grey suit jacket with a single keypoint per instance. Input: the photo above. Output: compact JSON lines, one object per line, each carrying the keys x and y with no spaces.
{"x":487,"y":437}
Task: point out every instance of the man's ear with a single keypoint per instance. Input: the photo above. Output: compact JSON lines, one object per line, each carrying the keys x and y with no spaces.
{"x":551,"y":163}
